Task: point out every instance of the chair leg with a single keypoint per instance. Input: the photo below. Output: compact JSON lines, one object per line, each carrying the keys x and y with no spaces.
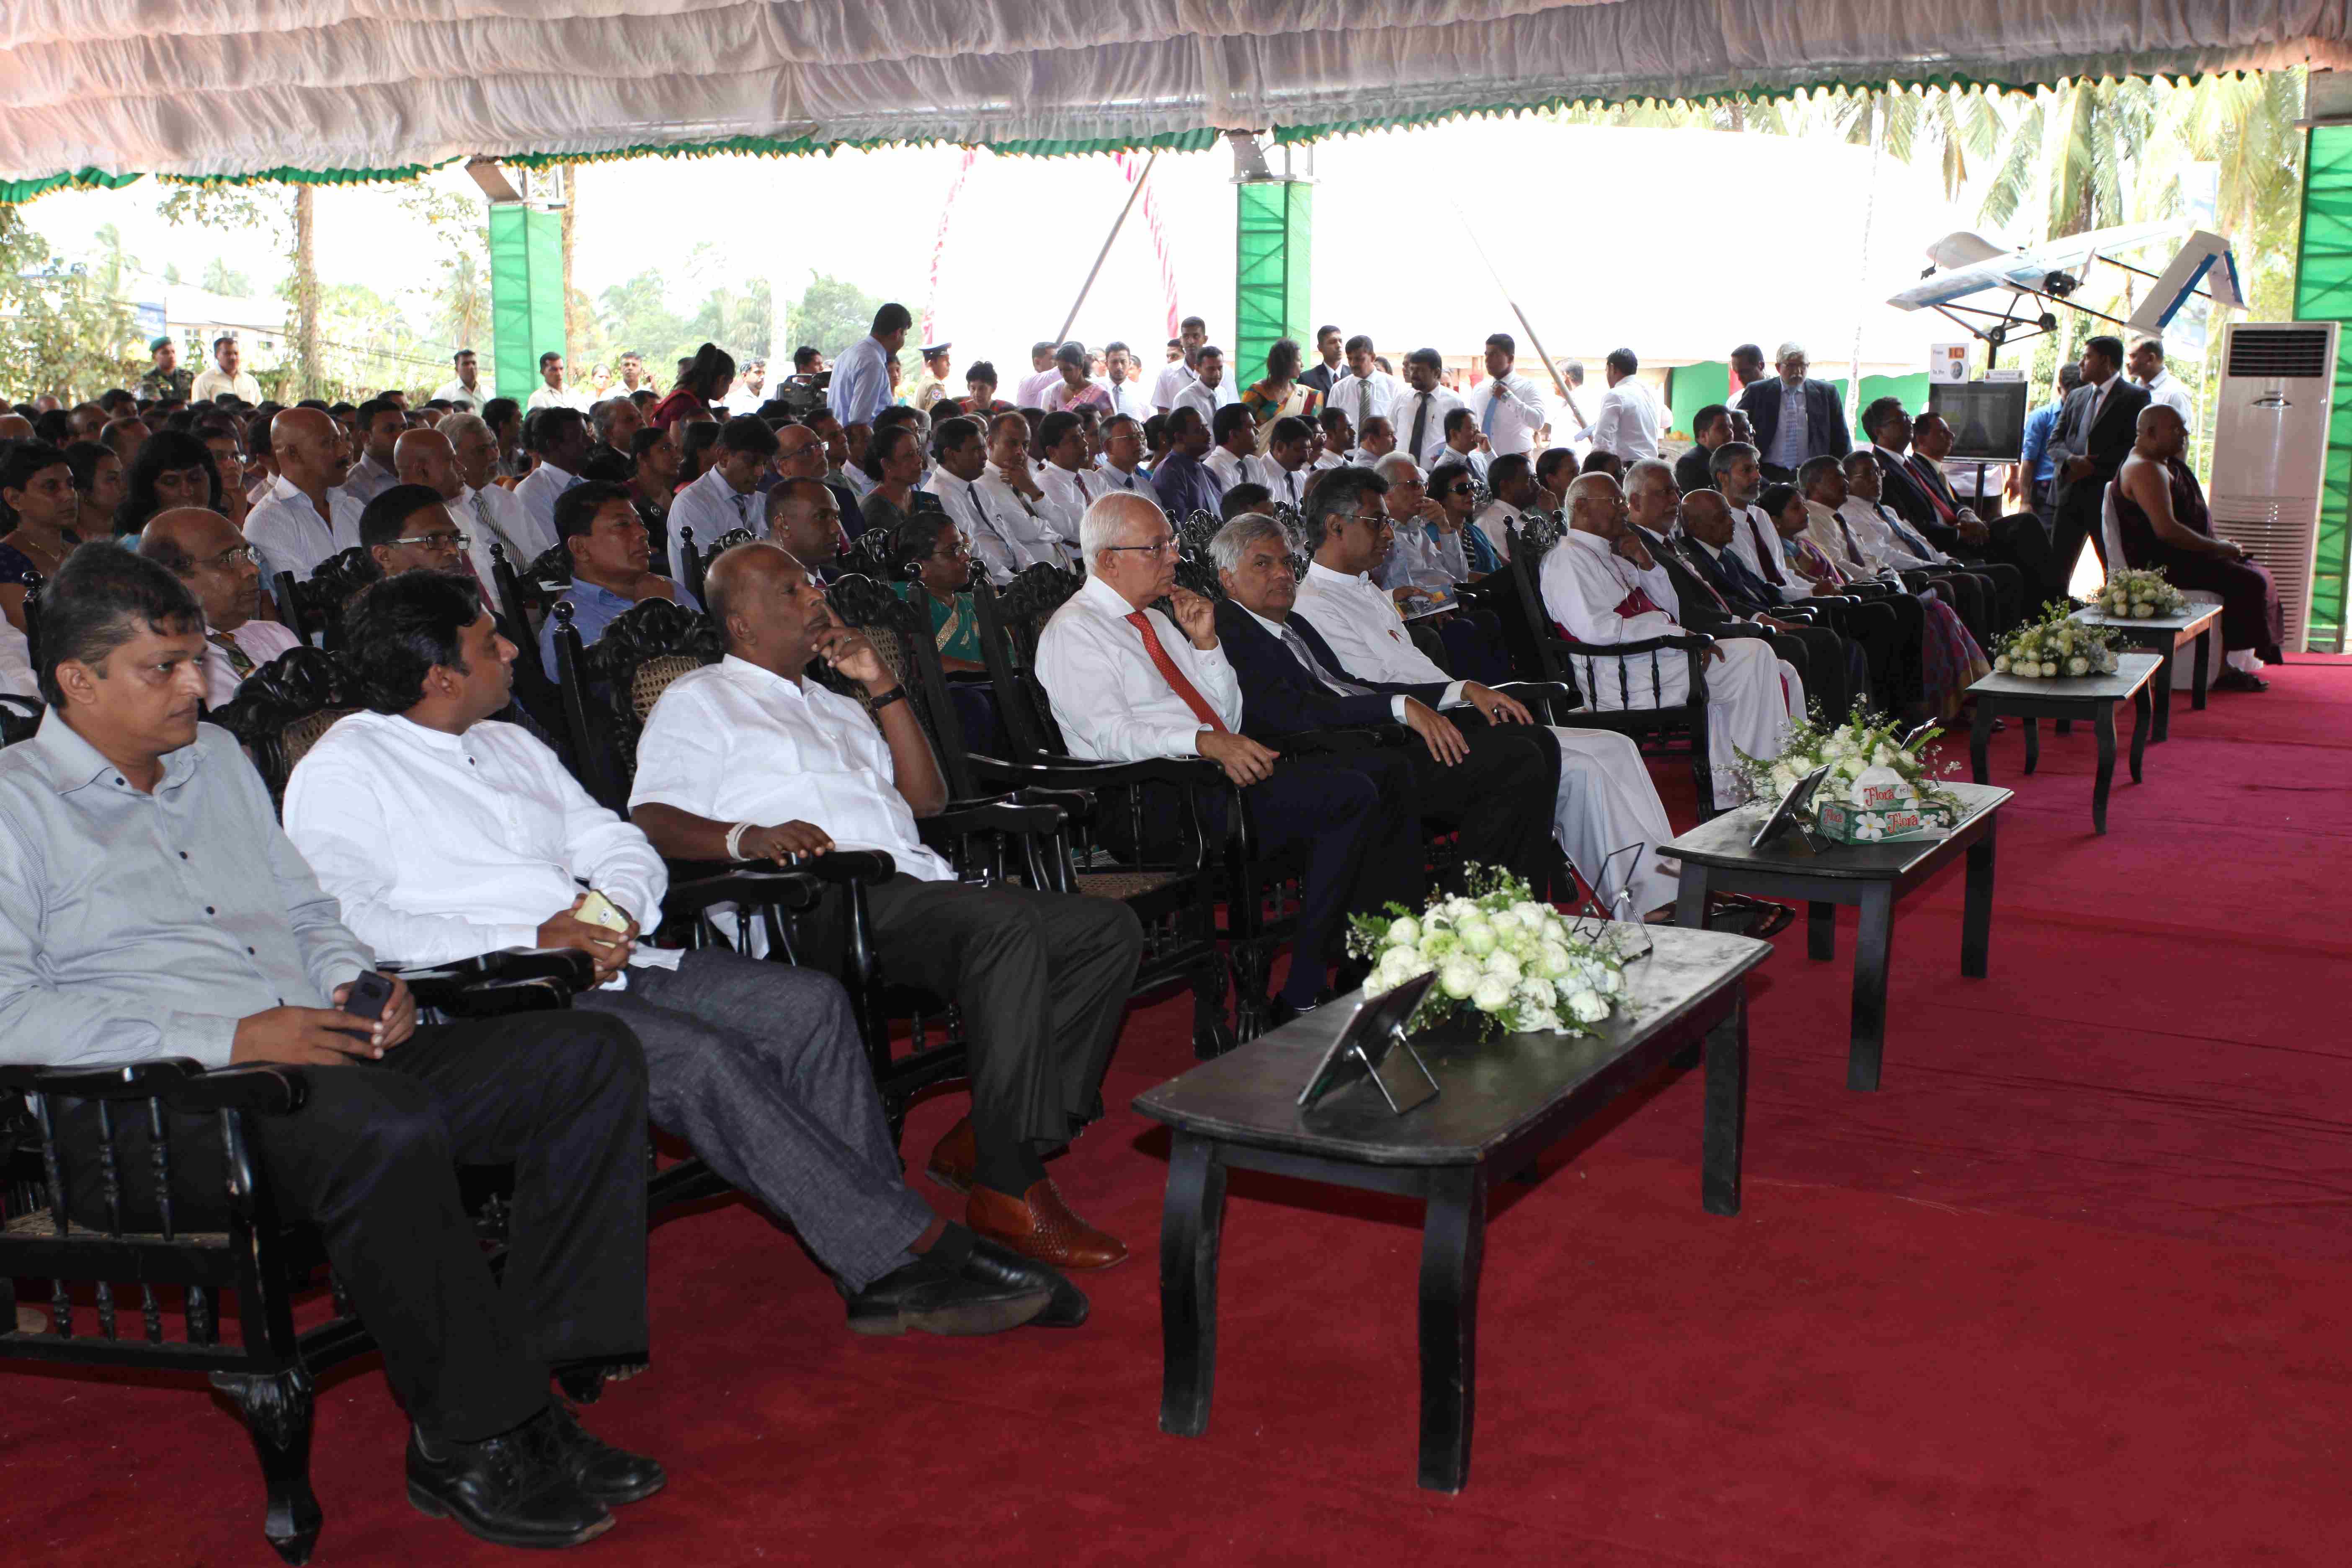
{"x":1252,"y":962}
{"x":1212,"y":1034}
{"x":275,"y":1408}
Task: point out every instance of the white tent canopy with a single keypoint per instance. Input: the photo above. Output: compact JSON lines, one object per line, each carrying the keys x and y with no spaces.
{"x":247,"y":86}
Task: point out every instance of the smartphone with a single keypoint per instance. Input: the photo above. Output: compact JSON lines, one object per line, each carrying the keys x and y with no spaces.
{"x":370,"y":992}
{"x":596,"y":910}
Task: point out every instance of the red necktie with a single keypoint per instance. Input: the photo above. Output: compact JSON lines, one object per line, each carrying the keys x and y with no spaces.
{"x":1935,"y":498}
{"x":1175,"y":676}
{"x":1765,"y":550}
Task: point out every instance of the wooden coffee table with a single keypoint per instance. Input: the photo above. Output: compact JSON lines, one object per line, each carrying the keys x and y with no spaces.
{"x":1501,"y":1102}
{"x":2092,"y":696}
{"x":2166,"y":636}
{"x":1716,"y":858}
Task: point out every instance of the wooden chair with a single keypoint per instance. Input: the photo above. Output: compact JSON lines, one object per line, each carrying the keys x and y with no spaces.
{"x":696,"y":565}
{"x":1630,"y":671}
{"x":314,"y":609}
{"x":281,"y":710}
{"x":20,"y":717}
{"x":610,"y":691}
{"x":268,"y":1371}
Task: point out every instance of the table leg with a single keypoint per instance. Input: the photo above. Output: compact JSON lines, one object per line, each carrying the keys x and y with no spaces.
{"x":1821,"y":930}
{"x":1453,"y":1249}
{"x":2105,"y":725}
{"x":2032,"y":742}
{"x":2164,"y":699}
{"x":1979,"y":738}
{"x":1190,"y":1226}
{"x":1976,"y":915}
{"x":2142,"y":722}
{"x":1724,"y":1129}
{"x":1871,"y":949}
{"x":1690,"y":896}
{"x":2197,"y":680}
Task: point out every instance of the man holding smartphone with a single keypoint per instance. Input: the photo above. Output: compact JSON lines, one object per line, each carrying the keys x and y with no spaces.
{"x":150,"y":906}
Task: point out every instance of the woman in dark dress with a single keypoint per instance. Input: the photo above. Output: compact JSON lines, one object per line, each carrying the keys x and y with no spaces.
{"x":36,"y":514}
{"x":2162,"y":521}
{"x":174,"y":469}
{"x":699,"y":392}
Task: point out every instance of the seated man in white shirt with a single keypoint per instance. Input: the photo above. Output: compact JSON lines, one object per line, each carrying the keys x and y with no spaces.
{"x":1606,"y":801}
{"x":1122,"y":460}
{"x":1375,"y":439}
{"x":1335,"y":439}
{"x":1418,"y":416}
{"x":1234,"y":432}
{"x":487,"y":515}
{"x":204,"y":550}
{"x":559,"y":435}
{"x":1012,"y":504}
{"x":748,"y":759}
{"x":443,"y":834}
{"x":1210,"y":388}
{"x":727,"y":497}
{"x":1887,"y":541}
{"x":1462,"y":444}
{"x":1127,"y":685}
{"x":1068,"y":481}
{"x":381,"y":421}
{"x":1513,"y":495}
{"x":1592,"y":594}
{"x":1416,"y":566}
{"x":306,"y":516}
{"x":1282,"y":466}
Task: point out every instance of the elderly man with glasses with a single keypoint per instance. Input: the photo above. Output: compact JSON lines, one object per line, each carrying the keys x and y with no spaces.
{"x":204,"y":550}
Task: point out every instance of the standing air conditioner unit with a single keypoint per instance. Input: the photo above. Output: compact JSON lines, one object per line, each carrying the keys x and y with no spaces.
{"x":2270,"y":450}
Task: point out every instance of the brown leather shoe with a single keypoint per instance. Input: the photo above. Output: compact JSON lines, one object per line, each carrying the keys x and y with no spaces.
{"x":1039,"y":1225}
{"x":953,"y":1158}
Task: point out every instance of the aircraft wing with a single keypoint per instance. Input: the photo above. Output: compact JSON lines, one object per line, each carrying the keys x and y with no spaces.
{"x":2206,"y":258}
{"x":2026,"y":269}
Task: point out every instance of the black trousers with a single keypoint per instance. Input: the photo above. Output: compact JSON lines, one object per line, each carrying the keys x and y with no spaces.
{"x":372,"y":1160}
{"x":1500,"y":799}
{"x":1355,"y":819}
{"x":1971,"y":594}
{"x":1042,"y":980}
{"x":1891,"y":628}
{"x":1836,"y":670}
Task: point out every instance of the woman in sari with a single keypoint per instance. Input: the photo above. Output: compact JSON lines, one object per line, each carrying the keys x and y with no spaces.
{"x":701,"y":392}
{"x":1281,"y":393}
{"x":936,"y":567}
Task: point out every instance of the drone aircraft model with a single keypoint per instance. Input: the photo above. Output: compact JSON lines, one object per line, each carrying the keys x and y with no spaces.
{"x":1965,"y":264}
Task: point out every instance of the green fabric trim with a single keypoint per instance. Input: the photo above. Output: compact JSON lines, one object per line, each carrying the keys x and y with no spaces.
{"x":16,"y":192}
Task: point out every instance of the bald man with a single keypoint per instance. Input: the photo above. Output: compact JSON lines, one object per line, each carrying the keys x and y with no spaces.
{"x":204,"y":550}
{"x":306,"y":516}
{"x":2162,"y":521}
{"x":805,"y":517}
{"x":15,"y":428}
{"x":486,"y":516}
{"x":749,"y":760}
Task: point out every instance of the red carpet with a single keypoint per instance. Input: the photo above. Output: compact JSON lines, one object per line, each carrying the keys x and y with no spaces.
{"x":2070,"y":1289}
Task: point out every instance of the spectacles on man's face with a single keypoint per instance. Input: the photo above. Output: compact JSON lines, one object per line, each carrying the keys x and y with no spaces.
{"x":1378,"y":522}
{"x":450,"y":542}
{"x":1163,"y":549}
{"x":230,"y":560}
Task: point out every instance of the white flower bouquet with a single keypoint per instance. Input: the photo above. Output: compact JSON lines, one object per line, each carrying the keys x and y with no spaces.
{"x":2138,"y":594}
{"x":2055,"y":647}
{"x":1872,"y":765}
{"x":1499,"y":955}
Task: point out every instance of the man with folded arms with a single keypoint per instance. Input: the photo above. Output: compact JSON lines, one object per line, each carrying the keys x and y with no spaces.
{"x":1594,"y":595}
{"x":445,"y":834}
{"x":1603,"y":801}
{"x":205,"y":552}
{"x":746,"y":759}
{"x":150,"y":906}
{"x":1127,"y":685}
{"x":1489,"y":784}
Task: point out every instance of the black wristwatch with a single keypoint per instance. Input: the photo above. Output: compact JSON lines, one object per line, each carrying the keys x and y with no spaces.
{"x":896,"y":694}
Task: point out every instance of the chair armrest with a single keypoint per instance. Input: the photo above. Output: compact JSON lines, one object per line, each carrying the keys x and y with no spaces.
{"x":754,"y":883}
{"x":1075,"y":773}
{"x":273,"y":1088}
{"x":835,"y":868}
{"x":449,"y":987}
{"x":960,"y":817}
{"x":1531,"y":691}
{"x":1687,"y":642}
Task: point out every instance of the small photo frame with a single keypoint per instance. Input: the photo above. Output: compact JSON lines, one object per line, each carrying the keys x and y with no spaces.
{"x":1365,"y":1048}
{"x":1784,"y":815}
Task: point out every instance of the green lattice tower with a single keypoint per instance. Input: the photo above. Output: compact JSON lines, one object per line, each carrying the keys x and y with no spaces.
{"x":526,"y":293}
{"x":2323,"y":292}
{"x":1275,"y":249}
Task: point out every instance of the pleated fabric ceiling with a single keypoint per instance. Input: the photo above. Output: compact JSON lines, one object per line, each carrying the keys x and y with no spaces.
{"x":95,"y":91}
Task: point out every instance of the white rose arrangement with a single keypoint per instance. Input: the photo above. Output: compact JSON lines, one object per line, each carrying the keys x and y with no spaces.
{"x":1862,"y":753}
{"x":2057,"y":646}
{"x":2138,"y":594}
{"x":1506,"y":960}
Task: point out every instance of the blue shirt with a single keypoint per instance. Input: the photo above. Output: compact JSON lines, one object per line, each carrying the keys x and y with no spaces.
{"x":860,"y":387}
{"x":593,"y":609}
{"x":2040,"y":425}
{"x":1185,"y":486}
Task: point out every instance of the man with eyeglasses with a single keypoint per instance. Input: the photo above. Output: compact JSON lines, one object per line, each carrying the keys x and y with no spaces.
{"x":409,"y":528}
{"x":204,"y":550}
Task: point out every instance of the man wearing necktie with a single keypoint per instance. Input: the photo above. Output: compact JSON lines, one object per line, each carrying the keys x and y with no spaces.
{"x":1128,"y":683}
{"x":1420,"y":415}
{"x":725,"y":497}
{"x":204,"y":550}
{"x":2095,"y":434}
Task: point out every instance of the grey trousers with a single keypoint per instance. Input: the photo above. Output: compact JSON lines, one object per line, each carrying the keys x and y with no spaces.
{"x":758,"y":1066}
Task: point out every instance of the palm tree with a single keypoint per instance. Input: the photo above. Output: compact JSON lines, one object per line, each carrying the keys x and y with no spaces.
{"x":465,"y":301}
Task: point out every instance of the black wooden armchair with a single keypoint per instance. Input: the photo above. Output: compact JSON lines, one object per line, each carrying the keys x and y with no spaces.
{"x":1633,"y":673}
{"x":313,"y":610}
{"x":124,"y":1248}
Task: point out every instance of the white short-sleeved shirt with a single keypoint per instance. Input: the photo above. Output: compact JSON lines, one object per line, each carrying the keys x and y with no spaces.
{"x":735,"y":742}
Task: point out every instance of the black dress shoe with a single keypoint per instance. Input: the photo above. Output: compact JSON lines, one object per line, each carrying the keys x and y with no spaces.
{"x":938,"y":1298}
{"x":609,"y":1475}
{"x":1279,"y":1012}
{"x":514,"y":1489}
{"x":2233,"y":678}
{"x":1066,"y":1306}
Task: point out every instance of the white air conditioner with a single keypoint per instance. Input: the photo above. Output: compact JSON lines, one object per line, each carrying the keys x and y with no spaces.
{"x":2270,"y":450}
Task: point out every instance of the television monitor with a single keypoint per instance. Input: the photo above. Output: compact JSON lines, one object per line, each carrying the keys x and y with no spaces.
{"x":1987,"y":417}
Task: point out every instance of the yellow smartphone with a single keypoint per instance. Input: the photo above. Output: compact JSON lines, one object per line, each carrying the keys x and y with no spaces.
{"x":596,"y":910}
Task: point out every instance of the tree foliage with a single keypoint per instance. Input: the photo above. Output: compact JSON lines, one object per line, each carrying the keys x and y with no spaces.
{"x":61,"y":331}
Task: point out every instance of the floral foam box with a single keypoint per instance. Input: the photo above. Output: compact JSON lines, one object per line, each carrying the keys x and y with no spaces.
{"x":1849,"y":823}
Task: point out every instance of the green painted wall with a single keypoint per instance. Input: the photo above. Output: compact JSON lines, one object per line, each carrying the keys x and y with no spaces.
{"x":526,"y":294}
{"x":1275,"y":250}
{"x":2323,"y":292}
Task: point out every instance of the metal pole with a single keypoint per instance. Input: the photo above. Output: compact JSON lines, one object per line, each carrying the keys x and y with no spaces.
{"x":1109,"y":240}
{"x":1534,"y":341}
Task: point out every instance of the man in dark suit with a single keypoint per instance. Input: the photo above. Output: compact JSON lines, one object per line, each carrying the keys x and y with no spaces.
{"x":1710,"y":428}
{"x":1794,"y":417}
{"x":1835,"y":667}
{"x":2095,"y":433}
{"x":1493,"y":785}
{"x":2012,"y":551}
{"x":1652,"y":509}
